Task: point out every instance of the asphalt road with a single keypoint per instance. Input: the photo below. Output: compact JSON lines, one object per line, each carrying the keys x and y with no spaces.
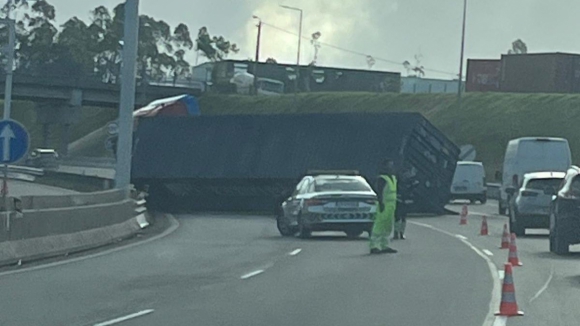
{"x":237,"y":270}
{"x":547,"y":285}
{"x":21,"y":188}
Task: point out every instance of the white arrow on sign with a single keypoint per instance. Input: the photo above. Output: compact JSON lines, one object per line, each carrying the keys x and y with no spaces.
{"x":7,"y":134}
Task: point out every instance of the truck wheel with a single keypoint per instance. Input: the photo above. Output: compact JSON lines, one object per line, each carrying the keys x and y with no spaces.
{"x":483,"y":200}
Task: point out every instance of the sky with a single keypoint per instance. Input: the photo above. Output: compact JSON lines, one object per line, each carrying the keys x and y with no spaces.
{"x":391,"y":31}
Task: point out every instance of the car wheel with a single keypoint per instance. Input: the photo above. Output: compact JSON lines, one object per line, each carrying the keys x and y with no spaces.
{"x":558,"y":244}
{"x":303,"y":231}
{"x":353,"y":234}
{"x":483,"y":200}
{"x":285,"y":229}
{"x":516,"y":224}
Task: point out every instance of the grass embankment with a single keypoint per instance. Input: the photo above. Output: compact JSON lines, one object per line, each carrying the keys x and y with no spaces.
{"x":486,"y":120}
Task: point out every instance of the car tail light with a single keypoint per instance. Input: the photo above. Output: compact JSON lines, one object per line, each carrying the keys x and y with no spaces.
{"x":314,"y":202}
{"x":529,"y":194}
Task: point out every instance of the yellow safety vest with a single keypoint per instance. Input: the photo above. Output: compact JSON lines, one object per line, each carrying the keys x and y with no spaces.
{"x":390,"y":190}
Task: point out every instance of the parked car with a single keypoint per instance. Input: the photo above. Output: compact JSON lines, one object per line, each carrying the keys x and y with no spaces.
{"x":42,"y":157}
{"x":531,"y":154}
{"x":530,"y":207}
{"x":328,"y":201}
{"x":565,"y":213}
{"x":469,"y":182}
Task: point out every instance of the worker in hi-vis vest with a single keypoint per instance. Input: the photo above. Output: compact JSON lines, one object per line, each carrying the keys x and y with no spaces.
{"x":386,"y":190}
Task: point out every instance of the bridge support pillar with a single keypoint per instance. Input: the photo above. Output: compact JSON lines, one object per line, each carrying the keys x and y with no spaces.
{"x":45,"y":135}
{"x":63,"y":113}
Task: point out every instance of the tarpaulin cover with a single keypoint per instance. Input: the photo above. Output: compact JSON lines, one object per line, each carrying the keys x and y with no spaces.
{"x":267,"y":146}
{"x":182,"y":105}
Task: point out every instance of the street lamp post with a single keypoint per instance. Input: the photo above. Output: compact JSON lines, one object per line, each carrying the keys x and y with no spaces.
{"x":257,"y":59}
{"x":459,"y":92}
{"x":9,"y":50}
{"x":299,"y":45}
{"x":127,"y":101}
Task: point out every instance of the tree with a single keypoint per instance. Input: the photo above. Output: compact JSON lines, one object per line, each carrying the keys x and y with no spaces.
{"x":271,"y":60}
{"x":518,"y":47}
{"x":75,"y":44}
{"x":79,"y":48}
{"x":35,"y":33}
{"x":214,"y":48}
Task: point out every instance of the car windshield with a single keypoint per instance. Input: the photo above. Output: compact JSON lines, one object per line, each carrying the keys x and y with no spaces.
{"x":541,"y":184}
{"x":323,"y":185}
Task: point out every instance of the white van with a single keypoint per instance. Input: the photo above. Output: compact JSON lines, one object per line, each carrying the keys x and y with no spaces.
{"x":469,"y":182}
{"x":531,"y":154}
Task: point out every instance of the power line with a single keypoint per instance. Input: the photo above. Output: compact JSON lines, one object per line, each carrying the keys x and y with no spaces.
{"x":356,"y":52}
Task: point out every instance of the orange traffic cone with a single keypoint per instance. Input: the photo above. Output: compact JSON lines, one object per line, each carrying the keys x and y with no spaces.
{"x":505,"y":238}
{"x":463,"y":220}
{"x":513,"y":254}
{"x":508,"y":306}
{"x":484,"y":230}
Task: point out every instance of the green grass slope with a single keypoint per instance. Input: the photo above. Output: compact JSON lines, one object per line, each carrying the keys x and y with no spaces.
{"x":486,"y":120}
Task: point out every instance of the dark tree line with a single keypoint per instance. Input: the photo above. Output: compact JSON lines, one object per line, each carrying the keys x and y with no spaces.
{"x":94,"y":48}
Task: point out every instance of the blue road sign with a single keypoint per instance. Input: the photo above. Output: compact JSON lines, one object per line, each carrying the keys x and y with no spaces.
{"x":14,"y":141}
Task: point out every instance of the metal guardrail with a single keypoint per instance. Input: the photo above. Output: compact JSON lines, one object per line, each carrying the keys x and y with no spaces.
{"x":97,"y":162}
{"x":25,"y":170}
{"x":95,"y":172}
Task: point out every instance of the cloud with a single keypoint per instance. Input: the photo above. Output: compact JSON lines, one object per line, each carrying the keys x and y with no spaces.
{"x":347,"y":24}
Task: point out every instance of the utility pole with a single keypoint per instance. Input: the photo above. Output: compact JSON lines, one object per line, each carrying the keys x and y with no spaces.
{"x":127,"y":101}
{"x":257,"y":58}
{"x":460,"y":81}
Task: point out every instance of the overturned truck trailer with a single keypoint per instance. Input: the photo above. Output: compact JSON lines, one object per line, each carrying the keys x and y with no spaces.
{"x":253,"y":162}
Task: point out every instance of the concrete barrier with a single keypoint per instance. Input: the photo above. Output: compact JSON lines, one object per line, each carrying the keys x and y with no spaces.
{"x":48,"y":226}
{"x":12,"y":252}
{"x":55,"y":221}
{"x":74,"y":200}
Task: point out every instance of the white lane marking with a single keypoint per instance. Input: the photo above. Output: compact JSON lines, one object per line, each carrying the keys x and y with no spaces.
{"x":500,"y":321}
{"x":545,"y":286}
{"x":252,"y":274}
{"x":295,"y":252}
{"x":487,"y":252}
{"x":490,"y":319}
{"x":125,"y":318}
{"x":461,"y":237}
{"x":173,"y":227}
{"x":501,"y":274}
